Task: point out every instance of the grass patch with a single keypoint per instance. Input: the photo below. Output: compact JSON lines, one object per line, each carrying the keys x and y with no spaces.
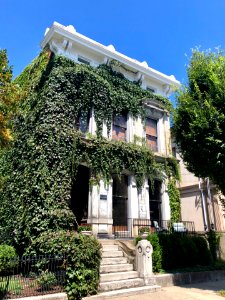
{"x":12,"y":285}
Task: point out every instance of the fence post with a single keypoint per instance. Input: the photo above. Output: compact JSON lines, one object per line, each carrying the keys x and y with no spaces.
{"x":144,"y":261}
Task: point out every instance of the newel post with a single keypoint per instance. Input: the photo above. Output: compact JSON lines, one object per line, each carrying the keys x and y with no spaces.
{"x":144,"y":261}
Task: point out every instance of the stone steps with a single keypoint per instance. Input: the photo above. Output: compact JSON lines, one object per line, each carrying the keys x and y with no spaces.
{"x":115,"y":253}
{"x":115,"y":271}
{"x":120,"y":284}
{"x":137,"y":291}
{"x":113,"y":260}
{"x":118,"y":276}
{"x":116,"y":268}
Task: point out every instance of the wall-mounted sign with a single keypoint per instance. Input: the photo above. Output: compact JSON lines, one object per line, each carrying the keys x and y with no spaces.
{"x":103,"y":197}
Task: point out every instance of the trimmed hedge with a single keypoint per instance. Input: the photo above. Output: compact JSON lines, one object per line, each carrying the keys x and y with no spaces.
{"x":8,"y":259}
{"x":175,"y":250}
{"x":181,"y":251}
{"x":82,"y":261}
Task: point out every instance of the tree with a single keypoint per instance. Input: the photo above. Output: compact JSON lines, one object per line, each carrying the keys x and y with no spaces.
{"x":199,"y":119}
{"x":9,"y":95}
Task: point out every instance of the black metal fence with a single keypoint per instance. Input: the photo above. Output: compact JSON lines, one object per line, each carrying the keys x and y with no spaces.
{"x":135,"y":227}
{"x":32,"y":276}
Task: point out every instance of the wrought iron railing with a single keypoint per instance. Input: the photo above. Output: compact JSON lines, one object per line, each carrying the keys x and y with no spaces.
{"x":136,"y":227}
{"x":32,"y":276}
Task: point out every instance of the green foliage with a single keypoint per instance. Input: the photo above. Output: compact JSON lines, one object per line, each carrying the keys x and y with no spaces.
{"x":47,"y":280}
{"x":41,"y":165}
{"x":8,"y":259}
{"x":9,"y":96}
{"x":84,"y":228}
{"x":199,"y":120}
{"x":214,"y":243}
{"x":181,"y":251}
{"x":174,"y":197}
{"x":10,"y":284}
{"x":82,"y":260}
{"x":153,"y":238}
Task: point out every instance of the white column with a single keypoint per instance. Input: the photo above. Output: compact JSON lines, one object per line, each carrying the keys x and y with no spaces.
{"x":143,"y":199}
{"x":130,"y":129}
{"x":92,"y":123}
{"x":165,"y":207}
{"x":100,"y":208}
{"x":132,"y":205}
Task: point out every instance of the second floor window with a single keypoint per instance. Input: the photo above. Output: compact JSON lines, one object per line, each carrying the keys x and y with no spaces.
{"x":151,"y":134}
{"x":119,"y":128}
{"x":82,"y":122}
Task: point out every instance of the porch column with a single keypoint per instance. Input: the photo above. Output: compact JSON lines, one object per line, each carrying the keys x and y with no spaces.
{"x":101,"y":209}
{"x":132,"y":203}
{"x":165,"y":207}
{"x":143,"y":199}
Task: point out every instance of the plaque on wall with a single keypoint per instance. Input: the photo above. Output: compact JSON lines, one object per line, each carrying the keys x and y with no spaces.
{"x":103,"y":197}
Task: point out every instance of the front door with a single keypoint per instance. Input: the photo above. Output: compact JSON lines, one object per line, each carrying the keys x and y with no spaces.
{"x":120,"y":197}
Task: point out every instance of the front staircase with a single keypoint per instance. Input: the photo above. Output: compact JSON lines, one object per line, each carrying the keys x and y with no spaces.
{"x":116,"y":274}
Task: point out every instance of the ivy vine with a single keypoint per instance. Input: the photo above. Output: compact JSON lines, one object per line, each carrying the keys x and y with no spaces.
{"x":40,"y":167}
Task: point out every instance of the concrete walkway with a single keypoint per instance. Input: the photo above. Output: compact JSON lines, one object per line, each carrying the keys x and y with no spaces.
{"x":200,"y":291}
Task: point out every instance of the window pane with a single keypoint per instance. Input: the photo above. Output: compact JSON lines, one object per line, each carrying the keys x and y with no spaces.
{"x":119,"y":133}
{"x":120,"y":120}
{"x":152,"y":142}
{"x":151,"y":127}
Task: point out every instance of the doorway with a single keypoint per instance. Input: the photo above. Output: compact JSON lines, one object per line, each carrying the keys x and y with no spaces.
{"x":155,"y":200}
{"x":120,"y":198}
{"x":79,"y":195}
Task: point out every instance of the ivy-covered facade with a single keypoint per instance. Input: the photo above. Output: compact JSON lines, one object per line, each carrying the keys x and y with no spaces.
{"x":91,"y":143}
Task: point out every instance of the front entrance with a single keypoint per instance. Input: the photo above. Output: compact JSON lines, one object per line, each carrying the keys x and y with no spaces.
{"x":79,"y":195}
{"x":120,"y":198}
{"x":155,"y":201}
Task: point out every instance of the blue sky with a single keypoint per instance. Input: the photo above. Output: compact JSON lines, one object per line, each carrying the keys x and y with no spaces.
{"x":161,"y":32}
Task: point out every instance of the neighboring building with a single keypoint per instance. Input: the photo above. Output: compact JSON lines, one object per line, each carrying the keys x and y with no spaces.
{"x":200,"y":200}
{"x":119,"y":202}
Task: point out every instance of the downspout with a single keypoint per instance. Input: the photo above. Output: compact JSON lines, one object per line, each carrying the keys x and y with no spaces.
{"x":212,"y":213}
{"x":206,"y":227}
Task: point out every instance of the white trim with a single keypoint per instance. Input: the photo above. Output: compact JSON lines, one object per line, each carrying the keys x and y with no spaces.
{"x":58,"y":29}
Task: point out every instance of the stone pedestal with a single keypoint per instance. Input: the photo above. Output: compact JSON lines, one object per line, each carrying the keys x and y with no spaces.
{"x":144,"y":261}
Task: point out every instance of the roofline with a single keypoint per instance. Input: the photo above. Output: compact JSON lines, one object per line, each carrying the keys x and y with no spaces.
{"x":89,"y":43}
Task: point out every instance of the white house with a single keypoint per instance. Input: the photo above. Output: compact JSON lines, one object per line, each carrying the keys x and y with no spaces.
{"x":119,"y":203}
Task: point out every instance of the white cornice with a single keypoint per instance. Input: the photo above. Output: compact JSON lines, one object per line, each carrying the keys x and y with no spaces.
{"x":109,"y":52}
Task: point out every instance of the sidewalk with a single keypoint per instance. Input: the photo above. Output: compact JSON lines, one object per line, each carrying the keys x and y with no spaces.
{"x":200,"y":291}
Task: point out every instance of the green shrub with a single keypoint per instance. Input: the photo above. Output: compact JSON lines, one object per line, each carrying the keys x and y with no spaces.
{"x":214,"y":241}
{"x":157,"y":252}
{"x":144,"y":229}
{"x":178,"y":251}
{"x":47,"y":280}
{"x":204,"y":254}
{"x":82,"y":260}
{"x":181,"y":251}
{"x":84,"y":228}
{"x":8,"y":259}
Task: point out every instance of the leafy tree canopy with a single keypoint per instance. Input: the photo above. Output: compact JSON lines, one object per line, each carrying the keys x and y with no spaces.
{"x":199,"y":121}
{"x":9,"y":95}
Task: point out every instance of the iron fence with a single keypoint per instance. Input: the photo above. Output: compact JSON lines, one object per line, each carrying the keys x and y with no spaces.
{"x":136,"y":227}
{"x":32,"y":276}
